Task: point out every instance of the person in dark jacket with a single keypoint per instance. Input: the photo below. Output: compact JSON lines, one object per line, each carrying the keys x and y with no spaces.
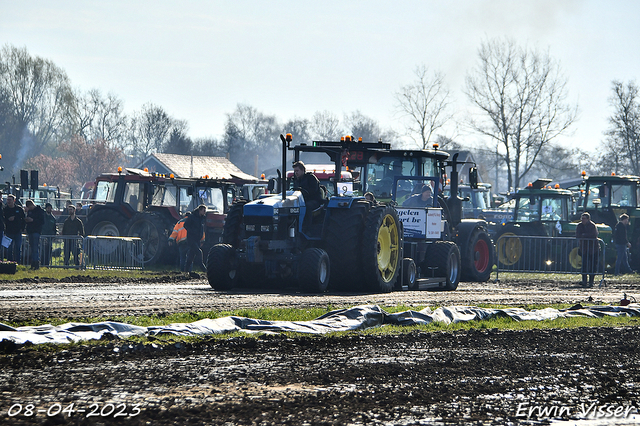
{"x":72,"y":226}
{"x":309,"y":184}
{"x":34,"y":220}
{"x":48,"y":228}
{"x":195,"y":228}
{"x":622,"y":245}
{"x":587,"y":234}
{"x":14,"y":225}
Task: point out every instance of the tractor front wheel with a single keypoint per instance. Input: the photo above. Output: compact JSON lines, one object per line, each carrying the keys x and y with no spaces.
{"x":444,"y":256}
{"x":313,"y":270}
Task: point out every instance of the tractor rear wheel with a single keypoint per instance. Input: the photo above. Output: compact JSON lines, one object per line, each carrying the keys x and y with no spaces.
{"x":342,"y":243}
{"x":479,"y":258}
{"x":381,"y":249}
{"x":233,"y":225}
{"x":444,"y":256}
{"x":222,"y":268}
{"x":154,"y":231}
{"x":106,"y":222}
{"x":314,"y":271}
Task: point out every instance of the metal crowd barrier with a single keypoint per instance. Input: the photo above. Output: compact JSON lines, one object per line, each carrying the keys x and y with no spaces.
{"x":93,"y":252}
{"x":562,"y":255}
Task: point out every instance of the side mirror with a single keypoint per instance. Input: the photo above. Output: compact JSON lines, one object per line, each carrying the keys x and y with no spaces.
{"x":473,"y":177}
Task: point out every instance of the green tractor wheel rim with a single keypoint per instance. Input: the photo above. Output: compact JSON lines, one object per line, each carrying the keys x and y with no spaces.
{"x":388,"y":248}
{"x":575,"y":259}
{"x":509,"y":249}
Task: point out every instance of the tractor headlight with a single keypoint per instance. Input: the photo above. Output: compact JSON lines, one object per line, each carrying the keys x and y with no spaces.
{"x":264,"y":228}
{"x":250,"y":228}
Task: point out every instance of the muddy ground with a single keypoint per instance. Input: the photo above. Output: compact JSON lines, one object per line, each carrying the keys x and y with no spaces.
{"x":475,"y":377}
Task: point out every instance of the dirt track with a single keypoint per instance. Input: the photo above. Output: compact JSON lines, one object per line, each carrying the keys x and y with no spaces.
{"x":480,"y":377}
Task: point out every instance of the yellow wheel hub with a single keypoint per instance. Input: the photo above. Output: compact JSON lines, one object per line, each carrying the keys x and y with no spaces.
{"x":575,"y":259}
{"x":509,"y":249}
{"x":388,"y":248}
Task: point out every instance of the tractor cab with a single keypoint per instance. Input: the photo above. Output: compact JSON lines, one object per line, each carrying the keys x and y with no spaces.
{"x":541,"y":210}
{"x":605,"y":198}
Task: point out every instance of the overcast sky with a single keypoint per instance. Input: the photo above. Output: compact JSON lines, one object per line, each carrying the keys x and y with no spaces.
{"x":199,"y":59}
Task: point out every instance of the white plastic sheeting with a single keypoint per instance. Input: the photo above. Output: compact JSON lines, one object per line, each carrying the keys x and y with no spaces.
{"x":356,"y":318}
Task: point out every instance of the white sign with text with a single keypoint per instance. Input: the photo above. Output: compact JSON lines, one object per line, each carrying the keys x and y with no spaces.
{"x":421,"y":223}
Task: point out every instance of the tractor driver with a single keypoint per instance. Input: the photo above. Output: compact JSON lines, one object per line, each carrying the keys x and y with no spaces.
{"x":309,"y":184}
{"x":424,"y":199}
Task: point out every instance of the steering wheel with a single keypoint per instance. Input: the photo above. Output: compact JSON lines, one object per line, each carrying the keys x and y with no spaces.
{"x":305,"y":193}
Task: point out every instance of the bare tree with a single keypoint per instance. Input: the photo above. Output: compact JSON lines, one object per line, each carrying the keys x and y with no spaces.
{"x":39,"y":92}
{"x":360,"y":126}
{"x":299,"y":128}
{"x":149,"y":130}
{"x":425,"y":104}
{"x":97,"y":117}
{"x":249,"y":132}
{"x":521,"y":96}
{"x":325,"y":126}
{"x":622,"y":152}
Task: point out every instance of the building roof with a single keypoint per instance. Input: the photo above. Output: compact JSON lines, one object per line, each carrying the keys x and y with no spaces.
{"x":194,"y":166}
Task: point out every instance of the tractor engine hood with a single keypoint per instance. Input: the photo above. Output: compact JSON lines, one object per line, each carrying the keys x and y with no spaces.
{"x":267,"y":204}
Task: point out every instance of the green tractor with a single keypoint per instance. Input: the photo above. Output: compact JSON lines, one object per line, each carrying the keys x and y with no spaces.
{"x":605,"y":198}
{"x":546,"y":214}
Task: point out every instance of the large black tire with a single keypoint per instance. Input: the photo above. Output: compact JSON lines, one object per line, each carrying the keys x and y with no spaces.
{"x":222,"y":268}
{"x":106,"y":222}
{"x":381,"y":249}
{"x":478,"y":257}
{"x":154,"y":231}
{"x":444,"y":256}
{"x":232,"y":230}
{"x":314,"y":270}
{"x":343,"y":240}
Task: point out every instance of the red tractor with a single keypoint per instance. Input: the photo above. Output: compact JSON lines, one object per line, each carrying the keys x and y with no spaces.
{"x":136,"y":203}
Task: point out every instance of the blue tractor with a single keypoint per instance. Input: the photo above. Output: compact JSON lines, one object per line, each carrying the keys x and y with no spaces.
{"x":347,"y":243}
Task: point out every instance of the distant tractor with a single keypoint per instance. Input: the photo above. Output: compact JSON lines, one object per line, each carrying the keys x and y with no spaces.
{"x":542,"y":211}
{"x":350,"y":243}
{"x":605,"y":198}
{"x":137,"y":203}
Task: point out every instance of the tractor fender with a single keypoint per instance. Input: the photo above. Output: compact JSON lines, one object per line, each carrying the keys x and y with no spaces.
{"x":465,"y":229}
{"x":342,"y":202}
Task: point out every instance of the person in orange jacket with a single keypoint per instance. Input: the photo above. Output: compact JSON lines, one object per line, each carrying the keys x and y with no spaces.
{"x":179,"y":237}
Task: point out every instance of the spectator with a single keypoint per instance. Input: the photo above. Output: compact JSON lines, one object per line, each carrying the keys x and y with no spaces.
{"x":14,"y":225}
{"x":179,"y":237}
{"x":622,"y":245}
{"x":34,"y":220}
{"x":587,"y":235}
{"x":72,"y":227}
{"x":195,"y":228}
{"x":49,"y":228}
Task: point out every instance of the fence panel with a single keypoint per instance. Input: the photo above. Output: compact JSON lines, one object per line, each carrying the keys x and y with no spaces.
{"x":563,"y":255}
{"x":113,"y":252}
{"x":69,"y":251}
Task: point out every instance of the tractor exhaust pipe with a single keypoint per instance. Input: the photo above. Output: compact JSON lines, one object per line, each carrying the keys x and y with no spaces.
{"x":283,"y":179}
